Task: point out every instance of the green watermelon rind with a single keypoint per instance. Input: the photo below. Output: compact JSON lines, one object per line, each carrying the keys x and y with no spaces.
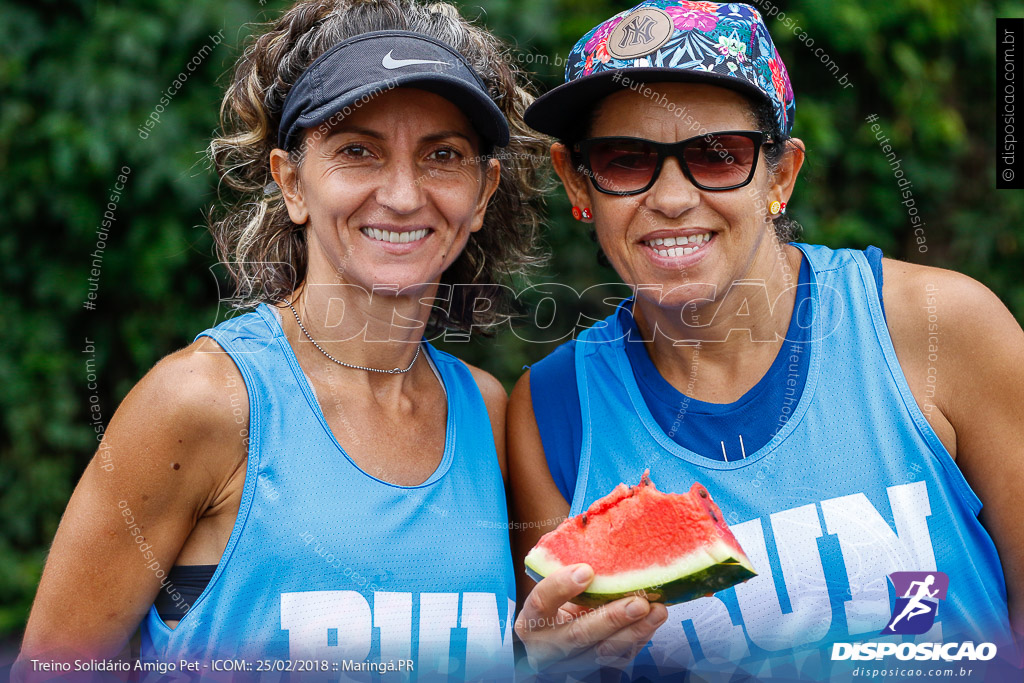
{"x":706,"y":571}
{"x":715,"y":578}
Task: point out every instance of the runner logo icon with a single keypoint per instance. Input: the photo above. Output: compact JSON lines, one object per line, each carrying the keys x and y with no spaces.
{"x":917,"y":601}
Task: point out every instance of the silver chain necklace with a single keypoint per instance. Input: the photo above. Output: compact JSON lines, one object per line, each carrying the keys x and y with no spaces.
{"x":394,"y":371}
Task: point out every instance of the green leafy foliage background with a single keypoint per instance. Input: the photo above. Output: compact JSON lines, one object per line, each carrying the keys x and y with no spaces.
{"x":77,"y":79}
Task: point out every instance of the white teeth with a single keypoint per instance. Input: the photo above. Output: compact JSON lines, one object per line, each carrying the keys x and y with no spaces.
{"x":396,"y":237}
{"x":696,"y":240}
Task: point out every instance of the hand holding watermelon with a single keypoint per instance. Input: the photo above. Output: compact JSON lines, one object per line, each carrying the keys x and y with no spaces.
{"x":571,"y":638}
{"x":667,"y":547}
{"x":631,"y":551}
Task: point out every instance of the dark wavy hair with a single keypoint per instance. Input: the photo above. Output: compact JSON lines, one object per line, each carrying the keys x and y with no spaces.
{"x":786,"y":227}
{"x":265,"y":252}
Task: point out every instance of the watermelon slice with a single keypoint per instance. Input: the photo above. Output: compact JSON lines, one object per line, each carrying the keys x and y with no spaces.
{"x":668,"y":547}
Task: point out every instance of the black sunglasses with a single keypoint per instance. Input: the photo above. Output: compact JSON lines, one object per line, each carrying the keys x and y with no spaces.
{"x":714,"y":161}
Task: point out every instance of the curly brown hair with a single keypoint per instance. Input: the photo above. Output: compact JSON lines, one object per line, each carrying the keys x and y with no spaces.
{"x":265,"y":252}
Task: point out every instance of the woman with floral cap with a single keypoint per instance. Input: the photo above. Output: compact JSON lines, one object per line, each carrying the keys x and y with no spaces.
{"x":850,"y":414}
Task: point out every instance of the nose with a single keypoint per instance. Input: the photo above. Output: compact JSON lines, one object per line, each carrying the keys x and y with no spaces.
{"x":400,"y":187}
{"x":672,"y":193}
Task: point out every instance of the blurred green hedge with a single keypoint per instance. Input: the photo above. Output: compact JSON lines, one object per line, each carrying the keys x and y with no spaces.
{"x":78,"y":79}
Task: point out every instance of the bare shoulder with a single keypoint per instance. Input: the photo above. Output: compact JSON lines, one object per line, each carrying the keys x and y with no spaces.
{"x":903,"y":277}
{"x":957,"y":343}
{"x":200,"y":384}
{"x":496,"y":399}
{"x":491,"y":389}
{"x":177,"y":444}
{"x":963,"y":310}
{"x":192,"y":406}
{"x":521,"y":401}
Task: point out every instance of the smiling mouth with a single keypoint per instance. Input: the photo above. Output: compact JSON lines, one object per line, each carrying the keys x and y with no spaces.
{"x":395,"y":237}
{"x":678,"y":246}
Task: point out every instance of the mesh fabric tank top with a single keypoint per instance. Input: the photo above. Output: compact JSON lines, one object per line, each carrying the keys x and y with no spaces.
{"x":854,"y":487}
{"x":327,"y":563}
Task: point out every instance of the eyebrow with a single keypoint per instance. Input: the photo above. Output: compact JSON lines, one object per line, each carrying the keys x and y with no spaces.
{"x":446,"y":134}
{"x":369,"y":132}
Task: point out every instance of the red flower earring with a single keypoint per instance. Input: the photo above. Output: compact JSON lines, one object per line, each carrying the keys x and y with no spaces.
{"x":576,"y":213}
{"x":586,"y":214}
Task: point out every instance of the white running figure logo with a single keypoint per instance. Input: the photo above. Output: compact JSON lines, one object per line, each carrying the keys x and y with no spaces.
{"x":915,"y":607}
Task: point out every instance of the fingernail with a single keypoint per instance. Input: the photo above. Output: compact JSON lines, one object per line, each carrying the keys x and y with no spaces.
{"x":635,"y":609}
{"x":582,"y":574}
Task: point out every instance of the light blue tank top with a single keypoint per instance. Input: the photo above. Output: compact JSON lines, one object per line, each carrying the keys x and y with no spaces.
{"x":328,"y":563}
{"x":853,"y":487}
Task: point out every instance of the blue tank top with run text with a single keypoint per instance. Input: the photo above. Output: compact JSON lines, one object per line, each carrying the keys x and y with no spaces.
{"x":854,"y":487}
{"x":328,"y":563}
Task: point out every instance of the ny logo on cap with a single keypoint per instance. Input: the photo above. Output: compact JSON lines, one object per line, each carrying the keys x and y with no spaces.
{"x":640,"y":33}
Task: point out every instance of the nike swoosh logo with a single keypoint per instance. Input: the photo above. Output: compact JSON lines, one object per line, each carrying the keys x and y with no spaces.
{"x":390,"y":62}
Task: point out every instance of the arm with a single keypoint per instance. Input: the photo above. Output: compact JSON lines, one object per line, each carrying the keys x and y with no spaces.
{"x":172,"y":444}
{"x":978,"y":406}
{"x":496,"y":401}
{"x":554,"y":631}
{"x":537,"y":504}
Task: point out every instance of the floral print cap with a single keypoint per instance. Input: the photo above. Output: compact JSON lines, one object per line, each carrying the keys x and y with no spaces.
{"x":724,"y":43}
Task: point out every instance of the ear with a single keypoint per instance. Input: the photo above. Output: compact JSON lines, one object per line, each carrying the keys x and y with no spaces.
{"x":286,"y":175}
{"x":575,"y":183}
{"x":789,"y":168}
{"x":492,"y":176}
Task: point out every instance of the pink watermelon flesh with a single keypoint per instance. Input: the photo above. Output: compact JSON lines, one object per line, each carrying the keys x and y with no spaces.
{"x":670,"y":547}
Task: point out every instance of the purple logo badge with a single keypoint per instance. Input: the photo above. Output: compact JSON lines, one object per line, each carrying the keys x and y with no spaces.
{"x":917,"y":601}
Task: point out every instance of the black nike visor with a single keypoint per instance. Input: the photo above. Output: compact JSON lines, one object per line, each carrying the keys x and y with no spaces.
{"x":360,"y":68}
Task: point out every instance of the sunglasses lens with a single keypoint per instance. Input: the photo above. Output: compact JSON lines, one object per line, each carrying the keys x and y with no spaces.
{"x":718,"y":161}
{"x":622,"y":165}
